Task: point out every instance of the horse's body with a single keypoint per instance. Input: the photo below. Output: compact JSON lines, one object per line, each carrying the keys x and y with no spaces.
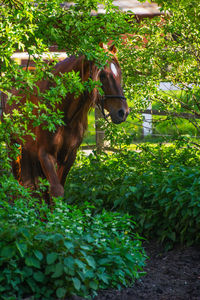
{"x":51,"y":154}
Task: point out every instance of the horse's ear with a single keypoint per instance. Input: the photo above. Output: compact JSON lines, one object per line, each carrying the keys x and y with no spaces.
{"x":113,"y":49}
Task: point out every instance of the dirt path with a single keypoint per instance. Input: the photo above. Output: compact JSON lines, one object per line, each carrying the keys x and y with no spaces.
{"x":174,"y":275}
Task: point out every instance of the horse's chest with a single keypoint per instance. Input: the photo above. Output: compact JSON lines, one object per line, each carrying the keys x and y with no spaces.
{"x":73,"y":136}
{"x":68,"y":139}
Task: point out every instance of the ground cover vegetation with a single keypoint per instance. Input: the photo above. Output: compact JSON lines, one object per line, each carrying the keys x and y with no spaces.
{"x":158,"y":186}
{"x":72,"y":253}
{"x":79,"y":250}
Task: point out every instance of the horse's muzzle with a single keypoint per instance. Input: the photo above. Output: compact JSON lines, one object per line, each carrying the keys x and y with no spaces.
{"x":120,"y":116}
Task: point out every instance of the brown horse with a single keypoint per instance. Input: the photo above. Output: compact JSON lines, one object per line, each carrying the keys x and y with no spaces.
{"x":51,"y":154}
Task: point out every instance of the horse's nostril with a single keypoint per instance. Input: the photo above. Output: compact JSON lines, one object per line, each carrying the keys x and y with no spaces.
{"x":121,"y":113}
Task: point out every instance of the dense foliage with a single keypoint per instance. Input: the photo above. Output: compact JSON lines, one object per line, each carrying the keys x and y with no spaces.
{"x":158,"y":186}
{"x":165,"y":49}
{"x":79,"y":251}
{"x":69,"y":252}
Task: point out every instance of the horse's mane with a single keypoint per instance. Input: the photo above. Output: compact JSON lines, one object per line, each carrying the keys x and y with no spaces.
{"x":86,"y":100}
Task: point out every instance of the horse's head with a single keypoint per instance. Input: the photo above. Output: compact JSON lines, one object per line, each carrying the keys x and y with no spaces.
{"x":113,"y":100}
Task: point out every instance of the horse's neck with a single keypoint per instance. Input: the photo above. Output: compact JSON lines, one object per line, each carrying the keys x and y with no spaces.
{"x":76,"y":110}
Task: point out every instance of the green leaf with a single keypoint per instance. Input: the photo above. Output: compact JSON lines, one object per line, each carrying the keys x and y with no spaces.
{"x":25,"y":232}
{"x":69,"y":246}
{"x":38,"y":276}
{"x":133,"y":189}
{"x":22,"y":248}
{"x":104,"y":277}
{"x":38,"y":254}
{"x":77,"y":283}
{"x":89,"y":274}
{"x":57,"y":237}
{"x":49,"y":269}
{"x":79,"y":263}
{"x":85,"y":247}
{"x":27,"y":271}
{"x":42,"y":237}
{"x":2,"y":289}
{"x":172,"y":236}
{"x":59,"y":269}
{"x":7,"y":252}
{"x":104,"y":261}
{"x":32,"y":262}
{"x":69,"y":261}
{"x":91,"y":262}
{"x":61,"y":292}
{"x":69,"y":271}
{"x":31,"y":282}
{"x":93,"y":285}
{"x":130,"y":257}
{"x":51,"y":258}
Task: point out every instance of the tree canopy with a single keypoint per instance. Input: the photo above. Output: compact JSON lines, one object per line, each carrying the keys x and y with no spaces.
{"x":166,"y":49}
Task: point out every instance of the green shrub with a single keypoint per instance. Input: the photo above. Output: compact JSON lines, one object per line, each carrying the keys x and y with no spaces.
{"x":159,"y":187}
{"x":68,"y":252}
{"x":166,"y":204}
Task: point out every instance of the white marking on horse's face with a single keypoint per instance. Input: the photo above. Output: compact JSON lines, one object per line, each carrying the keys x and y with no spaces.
{"x":113,"y":69}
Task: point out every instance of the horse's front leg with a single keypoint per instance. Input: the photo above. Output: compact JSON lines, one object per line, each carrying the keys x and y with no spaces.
{"x":47,"y":162}
{"x":64,"y":168}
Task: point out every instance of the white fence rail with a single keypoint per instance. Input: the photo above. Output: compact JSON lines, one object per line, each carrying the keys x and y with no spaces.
{"x":147,"y":117}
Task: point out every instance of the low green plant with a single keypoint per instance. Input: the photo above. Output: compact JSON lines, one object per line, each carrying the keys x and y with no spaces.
{"x":68,"y":252}
{"x":158,"y":186}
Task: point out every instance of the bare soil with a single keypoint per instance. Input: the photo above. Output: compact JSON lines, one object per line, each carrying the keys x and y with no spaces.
{"x":172,"y":275}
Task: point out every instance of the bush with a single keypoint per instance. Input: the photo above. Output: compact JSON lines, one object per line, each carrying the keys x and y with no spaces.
{"x":67,"y":252}
{"x":159,"y":187}
{"x":166,"y":204}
